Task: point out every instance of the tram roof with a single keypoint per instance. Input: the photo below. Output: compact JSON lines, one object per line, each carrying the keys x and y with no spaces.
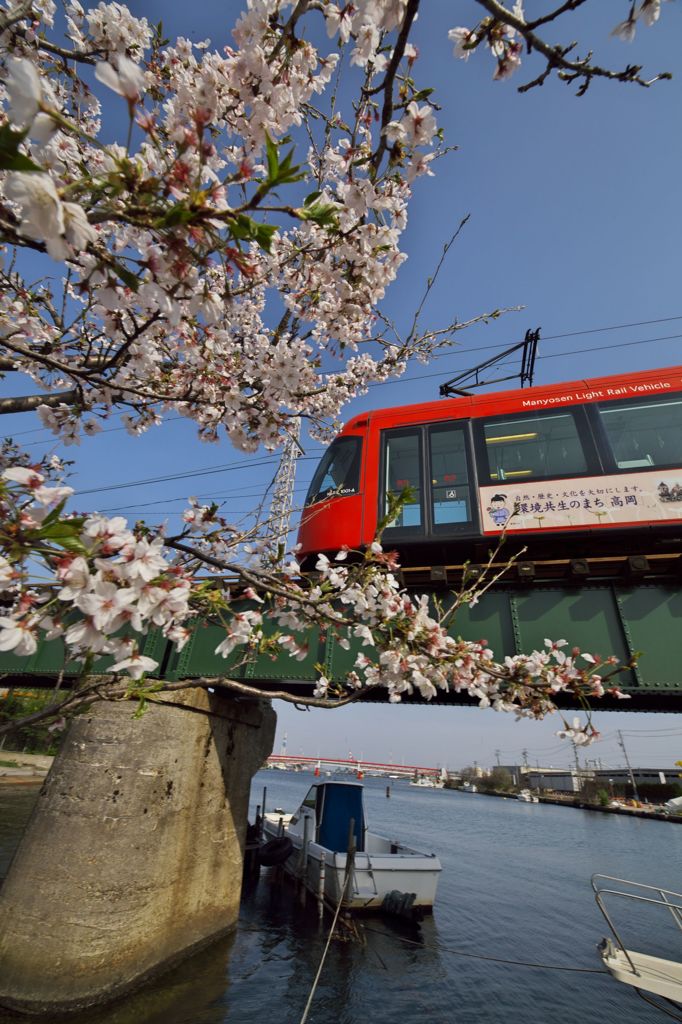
{"x":540,"y":398}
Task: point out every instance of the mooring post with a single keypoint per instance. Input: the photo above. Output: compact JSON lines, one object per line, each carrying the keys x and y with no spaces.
{"x":133,"y":857}
{"x":303,"y":864}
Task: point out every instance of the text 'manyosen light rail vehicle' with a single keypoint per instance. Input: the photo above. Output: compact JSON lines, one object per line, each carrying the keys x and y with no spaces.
{"x":580,"y":469}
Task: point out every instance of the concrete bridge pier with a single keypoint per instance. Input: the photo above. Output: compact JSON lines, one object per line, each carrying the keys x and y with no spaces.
{"x":133,"y":857}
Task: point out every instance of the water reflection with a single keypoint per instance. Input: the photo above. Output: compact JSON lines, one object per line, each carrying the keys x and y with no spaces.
{"x":515,"y":885}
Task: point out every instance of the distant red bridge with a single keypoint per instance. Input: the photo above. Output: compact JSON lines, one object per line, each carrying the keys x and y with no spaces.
{"x":290,"y":760}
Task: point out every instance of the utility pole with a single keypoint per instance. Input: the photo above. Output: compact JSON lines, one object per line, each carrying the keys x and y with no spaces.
{"x":524,"y":755}
{"x":627,"y":761}
{"x":277,"y":527}
{"x":577,"y":767}
{"x":497,"y":756}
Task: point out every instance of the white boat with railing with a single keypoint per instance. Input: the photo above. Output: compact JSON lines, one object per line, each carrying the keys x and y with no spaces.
{"x":427,"y":782}
{"x":644,"y":972}
{"x":332,"y":816}
{"x":526,"y":797}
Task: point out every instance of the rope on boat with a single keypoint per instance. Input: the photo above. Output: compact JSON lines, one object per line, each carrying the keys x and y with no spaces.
{"x":326,"y":948}
{"x":350,"y":864}
{"x":481,"y":956}
{"x":664,"y":1009}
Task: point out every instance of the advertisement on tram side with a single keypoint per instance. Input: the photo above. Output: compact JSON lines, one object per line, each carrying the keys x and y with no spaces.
{"x":631,"y":499}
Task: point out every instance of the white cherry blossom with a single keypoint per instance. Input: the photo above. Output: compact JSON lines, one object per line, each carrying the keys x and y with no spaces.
{"x":135,"y":666}
{"x":18,"y":636}
{"x":125,"y":78}
{"x":42,"y":213}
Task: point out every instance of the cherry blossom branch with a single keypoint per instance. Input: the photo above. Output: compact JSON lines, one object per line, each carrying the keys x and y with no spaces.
{"x":27,"y":403}
{"x":386,"y":87}
{"x":569,"y":5}
{"x":556,"y":56}
{"x":21,"y":11}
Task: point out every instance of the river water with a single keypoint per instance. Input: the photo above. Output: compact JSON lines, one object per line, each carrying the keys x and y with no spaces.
{"x":515,"y":886}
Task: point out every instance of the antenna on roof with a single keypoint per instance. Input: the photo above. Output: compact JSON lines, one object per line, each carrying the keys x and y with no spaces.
{"x":472,"y":378}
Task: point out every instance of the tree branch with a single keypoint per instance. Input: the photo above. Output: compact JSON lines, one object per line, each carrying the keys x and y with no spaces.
{"x":9,"y":18}
{"x":391,"y":71}
{"x":26,"y":403}
{"x":568,"y":70}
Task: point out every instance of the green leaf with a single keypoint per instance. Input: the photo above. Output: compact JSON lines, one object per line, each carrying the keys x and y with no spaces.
{"x":248,"y":230}
{"x":56,"y":512}
{"x":178,"y":214}
{"x":289,"y":172}
{"x":10,"y":157}
{"x":264,"y":233}
{"x":272,"y":158}
{"x":324,"y":214}
{"x":64,"y":534}
{"x":17,"y":162}
{"x":311,"y":198}
{"x":127,"y":276}
{"x":9,"y":139}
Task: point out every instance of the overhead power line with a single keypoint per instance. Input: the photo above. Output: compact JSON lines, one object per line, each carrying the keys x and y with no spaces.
{"x":548,"y":355}
{"x":189,"y":474}
{"x":227,"y":468}
{"x":459,"y":351}
{"x":140,"y":505}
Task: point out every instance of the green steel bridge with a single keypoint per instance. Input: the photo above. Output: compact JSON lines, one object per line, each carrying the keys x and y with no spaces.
{"x":616,"y":616}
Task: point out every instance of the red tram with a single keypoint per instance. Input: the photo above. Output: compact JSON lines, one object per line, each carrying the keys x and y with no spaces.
{"x":585,"y":468}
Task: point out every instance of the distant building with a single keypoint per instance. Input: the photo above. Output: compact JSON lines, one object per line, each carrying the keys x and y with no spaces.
{"x":570,"y":780}
{"x":643,"y":776}
{"x":560,"y":780}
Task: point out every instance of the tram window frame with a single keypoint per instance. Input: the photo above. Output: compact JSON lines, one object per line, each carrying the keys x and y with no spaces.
{"x":386,"y":436}
{"x":467,"y":526}
{"x":604,"y":438}
{"x":594,"y":465}
{"x":428,"y":527}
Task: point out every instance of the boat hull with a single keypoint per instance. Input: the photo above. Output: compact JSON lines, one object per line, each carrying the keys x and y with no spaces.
{"x":384,"y":867}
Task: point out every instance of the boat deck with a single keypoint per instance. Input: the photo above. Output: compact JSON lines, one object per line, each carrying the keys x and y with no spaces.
{"x":663,"y":977}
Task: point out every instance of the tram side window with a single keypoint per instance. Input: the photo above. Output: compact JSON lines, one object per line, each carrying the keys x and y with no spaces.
{"x":403,"y":470}
{"x":338,"y":473}
{"x":449,"y":476}
{"x":644,"y":433}
{"x":537,"y":445}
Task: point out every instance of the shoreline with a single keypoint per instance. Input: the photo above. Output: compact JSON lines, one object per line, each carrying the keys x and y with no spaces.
{"x":582,"y":805}
{"x":17,"y":769}
{"x":23,"y":780}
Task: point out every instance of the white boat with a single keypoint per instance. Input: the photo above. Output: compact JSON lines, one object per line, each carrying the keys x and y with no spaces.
{"x":644,"y":972}
{"x":427,"y":782}
{"x":527,"y":797}
{"x":320,"y":831}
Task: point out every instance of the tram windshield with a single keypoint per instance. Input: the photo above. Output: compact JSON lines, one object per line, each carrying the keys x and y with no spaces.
{"x":338,"y":474}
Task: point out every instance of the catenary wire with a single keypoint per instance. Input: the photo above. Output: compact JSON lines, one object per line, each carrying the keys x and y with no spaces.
{"x":227,"y":468}
{"x":459,"y":351}
{"x":139,"y":506}
{"x":550,"y":355}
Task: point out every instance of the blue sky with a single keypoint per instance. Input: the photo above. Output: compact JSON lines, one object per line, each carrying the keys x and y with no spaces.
{"x":575,"y":210}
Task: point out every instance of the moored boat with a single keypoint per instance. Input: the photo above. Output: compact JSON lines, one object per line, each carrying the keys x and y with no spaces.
{"x":649,"y":975}
{"x":427,"y":782}
{"x":320,"y":831}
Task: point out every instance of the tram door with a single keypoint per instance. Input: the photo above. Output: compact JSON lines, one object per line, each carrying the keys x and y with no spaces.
{"x":450,"y":480}
{"x":433,"y":463}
